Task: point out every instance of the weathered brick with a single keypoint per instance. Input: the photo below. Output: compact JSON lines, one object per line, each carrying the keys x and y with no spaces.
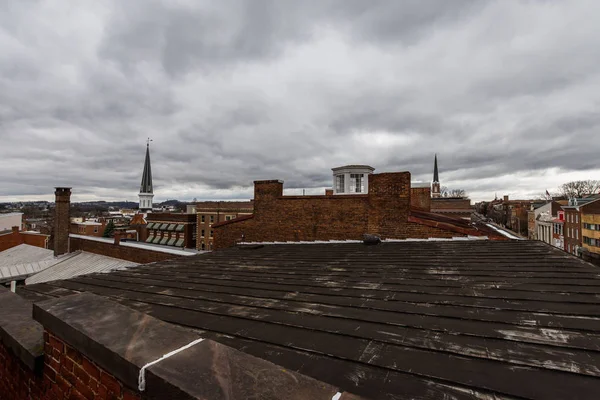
{"x":56,"y":343}
{"x":73,"y":355}
{"x":84,"y":389}
{"x":111,"y":383}
{"x":90,"y":368}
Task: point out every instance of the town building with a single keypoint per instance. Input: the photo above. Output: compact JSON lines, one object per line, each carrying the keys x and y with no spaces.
{"x":146,"y":189}
{"x":86,"y":227}
{"x":385,"y":210}
{"x":572,"y":225}
{"x":15,"y":237}
{"x":544,"y":221}
{"x":169,"y":229}
{"x":590,"y":228}
{"x":210,"y":213}
{"x":400,"y":320}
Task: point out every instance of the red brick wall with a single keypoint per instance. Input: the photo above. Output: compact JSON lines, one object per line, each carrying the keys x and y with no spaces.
{"x":450,"y":204}
{"x":296,"y":218}
{"x":133,"y":254}
{"x":35,"y":240}
{"x":88,"y":230}
{"x":383,"y":211}
{"x":66,"y":374}
{"x":9,"y":240}
{"x":17,"y":381}
{"x":13,"y":239}
{"x":420,"y":198}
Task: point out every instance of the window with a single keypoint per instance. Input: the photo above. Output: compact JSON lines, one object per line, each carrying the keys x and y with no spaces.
{"x":211,"y":233}
{"x":203,"y":246}
{"x":229,"y":217}
{"x":202,"y":218}
{"x":576,"y":218}
{"x":202,"y":234}
{"x":212,"y":219}
{"x":339,"y":184}
{"x":576,"y":233}
{"x":95,"y":229}
{"x":357,"y":183}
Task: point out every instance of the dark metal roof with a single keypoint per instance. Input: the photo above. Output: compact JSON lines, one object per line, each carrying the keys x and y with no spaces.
{"x":436,"y":177}
{"x":427,"y":320}
{"x":146,"y":185}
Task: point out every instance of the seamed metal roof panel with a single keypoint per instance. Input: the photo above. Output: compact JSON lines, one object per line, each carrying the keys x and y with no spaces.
{"x":80,"y":263}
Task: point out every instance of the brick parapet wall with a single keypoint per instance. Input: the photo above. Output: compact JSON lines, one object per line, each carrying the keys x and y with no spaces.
{"x":383,"y":211}
{"x":12,"y":239}
{"x":133,"y":254}
{"x":69,"y":374}
{"x":420,"y":198}
{"x":450,"y":204}
{"x":17,"y":381}
{"x":66,"y":375}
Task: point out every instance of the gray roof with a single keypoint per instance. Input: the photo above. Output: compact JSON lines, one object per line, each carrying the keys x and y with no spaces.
{"x":23,"y":260}
{"x":79,"y":263}
{"x":427,"y":320}
{"x":23,"y":254}
{"x":146,"y":185}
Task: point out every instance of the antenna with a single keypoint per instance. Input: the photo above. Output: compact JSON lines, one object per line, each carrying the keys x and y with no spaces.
{"x":148,"y":142}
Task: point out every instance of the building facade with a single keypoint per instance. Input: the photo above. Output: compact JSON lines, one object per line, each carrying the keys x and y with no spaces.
{"x":573,"y":222}
{"x":209,"y":213}
{"x":177,"y":230}
{"x":384,"y":211}
{"x":558,"y":227}
{"x":590,"y":224}
{"x":87,"y":228}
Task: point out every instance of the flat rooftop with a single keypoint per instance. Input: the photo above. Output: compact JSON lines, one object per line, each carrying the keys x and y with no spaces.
{"x":428,"y":320}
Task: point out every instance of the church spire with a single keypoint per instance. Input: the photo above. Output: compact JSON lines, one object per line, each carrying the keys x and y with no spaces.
{"x":146,"y":186}
{"x":435,"y":186}
{"x":436,"y":177}
{"x":146,"y":189}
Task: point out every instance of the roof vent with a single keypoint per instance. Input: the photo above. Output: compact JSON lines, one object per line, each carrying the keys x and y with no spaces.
{"x":371,"y":240}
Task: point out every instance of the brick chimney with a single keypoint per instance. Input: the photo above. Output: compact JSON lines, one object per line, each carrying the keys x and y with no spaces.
{"x":61,"y":220}
{"x":117,"y":237}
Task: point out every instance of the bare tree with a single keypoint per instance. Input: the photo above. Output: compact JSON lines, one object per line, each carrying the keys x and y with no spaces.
{"x":579,"y":188}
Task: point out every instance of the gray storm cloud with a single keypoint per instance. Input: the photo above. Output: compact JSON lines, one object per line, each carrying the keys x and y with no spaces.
{"x":505,"y":93}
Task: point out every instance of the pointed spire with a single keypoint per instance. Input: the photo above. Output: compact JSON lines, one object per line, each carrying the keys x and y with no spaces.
{"x":436,"y":177}
{"x":146,"y":186}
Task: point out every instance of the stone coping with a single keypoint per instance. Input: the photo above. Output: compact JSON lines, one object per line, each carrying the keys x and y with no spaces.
{"x":19,"y":332}
{"x":122,"y":340}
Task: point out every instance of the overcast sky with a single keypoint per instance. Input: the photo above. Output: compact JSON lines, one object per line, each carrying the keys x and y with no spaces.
{"x":506,"y":92}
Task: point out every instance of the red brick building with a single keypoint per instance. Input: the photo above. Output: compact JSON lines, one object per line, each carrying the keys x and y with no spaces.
{"x":16,"y":237}
{"x":177,"y":230}
{"x":213,"y":212}
{"x":87,"y":228}
{"x":387,"y":210}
